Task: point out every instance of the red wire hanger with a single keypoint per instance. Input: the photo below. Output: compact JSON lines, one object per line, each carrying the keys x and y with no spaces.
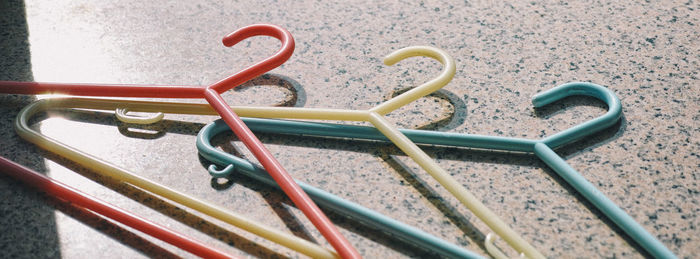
{"x":212,"y":94}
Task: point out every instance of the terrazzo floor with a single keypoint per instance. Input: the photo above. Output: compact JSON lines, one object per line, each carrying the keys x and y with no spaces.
{"x":647,"y":53}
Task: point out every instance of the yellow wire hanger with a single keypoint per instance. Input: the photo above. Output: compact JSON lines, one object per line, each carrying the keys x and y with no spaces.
{"x":104,"y":168}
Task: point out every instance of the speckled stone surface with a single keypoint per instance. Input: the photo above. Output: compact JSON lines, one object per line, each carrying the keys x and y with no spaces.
{"x":645,"y":52}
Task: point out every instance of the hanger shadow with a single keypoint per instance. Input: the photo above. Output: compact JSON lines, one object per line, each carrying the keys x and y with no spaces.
{"x":108,"y":228}
{"x":296,"y":96}
{"x":586,"y":144}
{"x":448,"y":121}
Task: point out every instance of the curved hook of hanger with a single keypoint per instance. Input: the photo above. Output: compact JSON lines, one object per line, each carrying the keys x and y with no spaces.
{"x":587,"y":128}
{"x":122,"y":115}
{"x":253,"y":71}
{"x":448,"y":71}
{"x":216,"y":173}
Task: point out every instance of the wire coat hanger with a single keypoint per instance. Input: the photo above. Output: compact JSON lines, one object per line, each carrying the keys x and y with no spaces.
{"x":83,"y":200}
{"x":542,"y":148}
{"x":107,"y":169}
{"x":212,"y":94}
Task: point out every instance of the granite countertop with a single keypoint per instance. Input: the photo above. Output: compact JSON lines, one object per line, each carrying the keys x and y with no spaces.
{"x":648,"y":164}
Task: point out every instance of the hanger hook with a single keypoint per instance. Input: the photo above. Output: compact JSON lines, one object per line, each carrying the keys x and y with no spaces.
{"x":215,"y":172}
{"x":253,"y":71}
{"x":122,"y":115}
{"x":587,"y":128}
{"x":448,"y":71}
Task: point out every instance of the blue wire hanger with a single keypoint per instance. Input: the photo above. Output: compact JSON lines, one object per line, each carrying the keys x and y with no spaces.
{"x":542,"y":148}
{"x":324,"y":199}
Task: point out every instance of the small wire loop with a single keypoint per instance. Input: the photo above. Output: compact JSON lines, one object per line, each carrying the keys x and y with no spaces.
{"x":215,"y":172}
{"x":122,"y":115}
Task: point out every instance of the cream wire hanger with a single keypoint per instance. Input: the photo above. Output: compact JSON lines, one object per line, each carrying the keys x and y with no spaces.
{"x":113,"y":171}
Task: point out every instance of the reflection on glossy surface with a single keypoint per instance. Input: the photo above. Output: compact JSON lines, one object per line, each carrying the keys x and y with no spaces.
{"x":66,"y":47}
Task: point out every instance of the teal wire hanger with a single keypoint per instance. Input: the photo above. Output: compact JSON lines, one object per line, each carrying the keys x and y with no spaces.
{"x":324,"y":199}
{"x":542,"y":148}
